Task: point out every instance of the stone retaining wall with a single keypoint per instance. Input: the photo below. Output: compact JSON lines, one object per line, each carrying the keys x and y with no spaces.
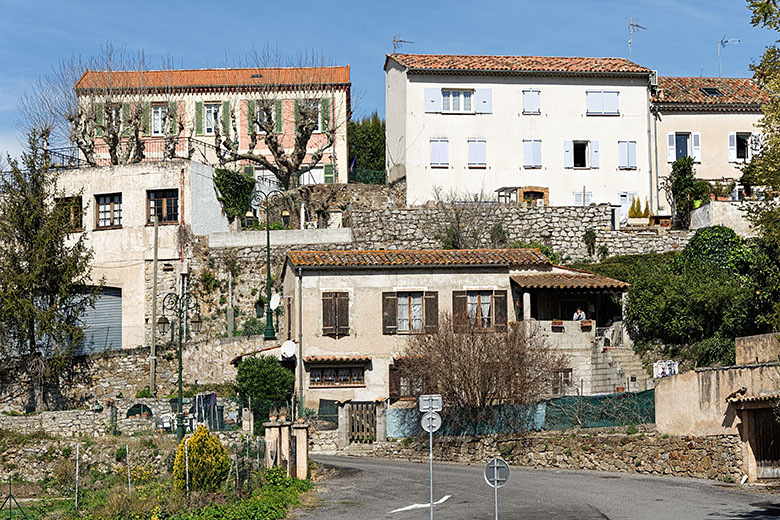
{"x":323,"y":441}
{"x":715,"y":457}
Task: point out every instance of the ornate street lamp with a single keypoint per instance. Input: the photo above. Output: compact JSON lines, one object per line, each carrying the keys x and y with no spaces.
{"x":180,"y":305}
{"x":267,"y":199}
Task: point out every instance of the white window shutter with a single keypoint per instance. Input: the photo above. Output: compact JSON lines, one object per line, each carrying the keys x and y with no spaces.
{"x":538,"y":153}
{"x":670,"y":148}
{"x":528,"y":154}
{"x":472,"y":152}
{"x":578,"y":198}
{"x":594,"y":102}
{"x":444,"y":152}
{"x":611,"y":104}
{"x":732,"y":146}
{"x":434,"y":152}
{"x":696,"y":138}
{"x":568,"y":154}
{"x":482,"y":152}
{"x":594,"y":154}
{"x":432,"y":100}
{"x":588,"y":198}
{"x":632,"y":154}
{"x":622,"y":154}
{"x":483,"y":98}
{"x":531,"y":104}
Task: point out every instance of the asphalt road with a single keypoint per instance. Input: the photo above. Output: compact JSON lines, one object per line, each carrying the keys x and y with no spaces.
{"x":368,"y":488}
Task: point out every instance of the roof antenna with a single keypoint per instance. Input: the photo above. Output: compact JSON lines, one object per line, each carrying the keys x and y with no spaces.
{"x":632,"y":28}
{"x":722,"y":44}
{"x":398,"y":42}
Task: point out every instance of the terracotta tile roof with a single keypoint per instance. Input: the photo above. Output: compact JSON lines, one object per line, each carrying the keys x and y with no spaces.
{"x":517,"y":64}
{"x":686,"y":93}
{"x":205,"y":78}
{"x":572,"y":280}
{"x":337,"y":359}
{"x":420,"y":258}
{"x":754,"y":398}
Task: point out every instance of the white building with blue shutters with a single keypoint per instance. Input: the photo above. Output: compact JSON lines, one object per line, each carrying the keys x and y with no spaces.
{"x":576,"y":130}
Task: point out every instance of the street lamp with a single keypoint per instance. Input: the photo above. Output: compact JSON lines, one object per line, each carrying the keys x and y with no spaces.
{"x":267,"y":198}
{"x":180,"y":304}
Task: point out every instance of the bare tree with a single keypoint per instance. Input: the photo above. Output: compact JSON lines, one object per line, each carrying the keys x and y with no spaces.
{"x":466,"y":221}
{"x":315,"y":109}
{"x":484,"y":377}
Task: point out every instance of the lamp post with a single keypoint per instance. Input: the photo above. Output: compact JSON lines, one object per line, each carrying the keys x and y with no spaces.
{"x":267,"y":198}
{"x":179,"y":305}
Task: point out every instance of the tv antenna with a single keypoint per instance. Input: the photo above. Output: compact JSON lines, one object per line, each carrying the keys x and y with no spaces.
{"x":633,"y":26}
{"x":398,"y":42}
{"x":722,"y":44}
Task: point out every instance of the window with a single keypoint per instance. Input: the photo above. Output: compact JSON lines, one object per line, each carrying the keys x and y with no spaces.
{"x":681,"y":145}
{"x":409,"y":312}
{"x":73,"y":208}
{"x":579,"y":200}
{"x":601,"y":102}
{"x":337,"y":376}
{"x":626,"y":198}
{"x":260,"y":116}
{"x":561,"y":380}
{"x":477,"y":153}
{"x":531,"y":102}
{"x":742,"y":146}
{"x":458,"y":101}
{"x":439,"y":153}
{"x":482,"y":309}
{"x":684,"y":144}
{"x":109,"y":210}
{"x":164,"y":204}
{"x":158,"y":118}
{"x":532,"y":153}
{"x":581,"y":154}
{"x":711,"y":91}
{"x":627,"y":155}
{"x":335,"y":314}
{"x":212,"y":112}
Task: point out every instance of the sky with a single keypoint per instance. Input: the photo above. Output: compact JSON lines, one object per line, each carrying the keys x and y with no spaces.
{"x":680,"y":40}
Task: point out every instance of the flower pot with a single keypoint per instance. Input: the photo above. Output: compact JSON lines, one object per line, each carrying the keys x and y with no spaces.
{"x":557,"y":323}
{"x":620,"y":388}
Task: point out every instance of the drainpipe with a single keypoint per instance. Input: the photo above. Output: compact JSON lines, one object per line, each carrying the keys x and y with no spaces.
{"x":649,"y":144}
{"x":657,"y":171}
{"x":300,"y":342}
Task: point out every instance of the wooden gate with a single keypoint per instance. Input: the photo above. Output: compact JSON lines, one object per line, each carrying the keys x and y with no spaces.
{"x":767,"y":450}
{"x":362,"y":422}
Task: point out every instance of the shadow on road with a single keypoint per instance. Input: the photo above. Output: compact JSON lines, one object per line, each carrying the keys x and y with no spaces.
{"x":763,"y":510}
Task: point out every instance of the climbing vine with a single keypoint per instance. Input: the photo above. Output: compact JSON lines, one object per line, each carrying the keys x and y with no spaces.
{"x":234,"y":191}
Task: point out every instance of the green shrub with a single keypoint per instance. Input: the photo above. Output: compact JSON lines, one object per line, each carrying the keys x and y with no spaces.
{"x":208,"y":462}
{"x":120,"y":454}
{"x":143,"y":393}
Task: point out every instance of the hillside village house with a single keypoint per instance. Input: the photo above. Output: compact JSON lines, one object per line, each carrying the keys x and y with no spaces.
{"x":712,"y":120}
{"x":550,"y":130}
{"x":359,"y":307}
{"x":204,"y":98}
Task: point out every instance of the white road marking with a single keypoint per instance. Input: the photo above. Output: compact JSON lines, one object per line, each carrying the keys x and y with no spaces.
{"x":422,"y":506}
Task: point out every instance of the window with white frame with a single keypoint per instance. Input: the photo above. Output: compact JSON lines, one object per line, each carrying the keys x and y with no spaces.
{"x":439,"y":153}
{"x":477,"y":153}
{"x":212,"y":112}
{"x":531,"y":102}
{"x":683,"y":144}
{"x":627,"y":155}
{"x":581,"y":154}
{"x":457,"y":101}
{"x":602,"y":103}
{"x":109,"y":210}
{"x":579,"y":200}
{"x":561,"y":381}
{"x":626,"y":198}
{"x":410,"y":311}
{"x":158,"y":119}
{"x":260,"y":116}
{"x":742,"y":146}
{"x":532,"y":153}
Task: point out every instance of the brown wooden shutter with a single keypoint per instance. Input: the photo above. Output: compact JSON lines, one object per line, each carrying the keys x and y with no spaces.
{"x":389,"y":313}
{"x":342,"y":314}
{"x":499,"y":310}
{"x":395,"y":382}
{"x":460,"y":316}
{"x":431,"y":309}
{"x":328,"y":314}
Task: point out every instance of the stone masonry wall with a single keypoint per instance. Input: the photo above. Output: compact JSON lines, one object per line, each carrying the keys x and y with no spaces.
{"x":715,"y":457}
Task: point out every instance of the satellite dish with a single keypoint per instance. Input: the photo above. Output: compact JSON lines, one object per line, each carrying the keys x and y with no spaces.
{"x":275,"y":301}
{"x":288,"y":349}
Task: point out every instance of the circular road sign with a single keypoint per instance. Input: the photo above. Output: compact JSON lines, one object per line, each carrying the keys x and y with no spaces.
{"x":431,"y":421}
{"x":497,"y":473}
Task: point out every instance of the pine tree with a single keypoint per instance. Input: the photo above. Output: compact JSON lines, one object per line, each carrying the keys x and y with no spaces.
{"x":44,"y":275}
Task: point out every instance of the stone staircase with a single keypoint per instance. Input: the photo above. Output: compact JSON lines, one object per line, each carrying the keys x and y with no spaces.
{"x":615,"y":367}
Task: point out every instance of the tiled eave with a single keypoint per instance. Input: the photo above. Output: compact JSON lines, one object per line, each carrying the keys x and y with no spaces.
{"x":536,"y":73}
{"x":701,"y":107}
{"x":196,"y":89}
{"x":324,"y":360}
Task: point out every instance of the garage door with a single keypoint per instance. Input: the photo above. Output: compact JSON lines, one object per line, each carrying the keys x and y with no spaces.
{"x":103,"y":324}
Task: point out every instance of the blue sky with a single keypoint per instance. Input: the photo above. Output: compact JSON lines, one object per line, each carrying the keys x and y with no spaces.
{"x":680,"y":40}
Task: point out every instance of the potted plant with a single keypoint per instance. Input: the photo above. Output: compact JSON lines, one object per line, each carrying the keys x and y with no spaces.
{"x":272,"y":416}
{"x":586,"y":324}
{"x":282,"y":414}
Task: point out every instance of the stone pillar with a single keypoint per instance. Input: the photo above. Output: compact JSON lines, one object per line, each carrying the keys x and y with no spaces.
{"x":343,"y":440}
{"x":526,"y":306}
{"x":247,"y":424}
{"x":381,"y":421}
{"x":272,"y":435}
{"x":284,"y":445}
{"x":301,"y":432}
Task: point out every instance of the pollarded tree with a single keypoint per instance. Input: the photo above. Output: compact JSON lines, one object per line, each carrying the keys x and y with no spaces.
{"x":44,"y":274}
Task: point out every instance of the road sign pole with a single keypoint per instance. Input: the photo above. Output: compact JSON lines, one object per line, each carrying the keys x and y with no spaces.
{"x":430,"y":455}
{"x":495,"y":488}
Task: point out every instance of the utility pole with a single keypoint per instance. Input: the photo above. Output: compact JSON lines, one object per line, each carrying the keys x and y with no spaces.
{"x":153,"y":351}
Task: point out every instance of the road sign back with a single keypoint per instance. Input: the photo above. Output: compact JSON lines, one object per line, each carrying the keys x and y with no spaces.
{"x":431,"y":421}
{"x":431,"y":403}
{"x":497,"y":473}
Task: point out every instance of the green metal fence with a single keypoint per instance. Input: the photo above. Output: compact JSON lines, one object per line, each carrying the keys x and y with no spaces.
{"x":600,"y":411}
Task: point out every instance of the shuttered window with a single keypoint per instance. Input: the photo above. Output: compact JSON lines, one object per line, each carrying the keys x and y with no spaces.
{"x":335,"y":314}
{"x":532,"y":153}
{"x":211,"y":117}
{"x":458,"y":101}
{"x":439,"y":153}
{"x":477,"y":153}
{"x":409,"y":312}
{"x":531,"y":102}
{"x":602,"y":102}
{"x":479,"y":309}
{"x":72,"y":206}
{"x":578,"y":198}
{"x":627,"y":155}
{"x":158,"y":117}
{"x":103,"y":323}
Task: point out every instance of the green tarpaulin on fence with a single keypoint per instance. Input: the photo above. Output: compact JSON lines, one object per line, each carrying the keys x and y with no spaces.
{"x":600,"y":411}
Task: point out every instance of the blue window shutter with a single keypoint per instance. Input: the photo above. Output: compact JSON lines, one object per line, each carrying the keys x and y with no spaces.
{"x":473,"y":152}
{"x":444,"y":152}
{"x":622,"y":154}
{"x":594,"y":103}
{"x":671,"y":149}
{"x":484,"y":101}
{"x":538,"y":153}
{"x":594,"y":154}
{"x":432,"y":100}
{"x":568,"y":154}
{"x":696,"y":137}
{"x":611,"y":104}
{"x":632,"y":154}
{"x":528,"y":154}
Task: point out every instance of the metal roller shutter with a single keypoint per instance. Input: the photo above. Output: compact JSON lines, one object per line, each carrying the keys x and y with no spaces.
{"x":103,"y":324}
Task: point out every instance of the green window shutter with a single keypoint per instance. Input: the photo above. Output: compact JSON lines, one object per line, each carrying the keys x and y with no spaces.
{"x":198,"y":118}
{"x":250,"y":115}
{"x":172,"y":106}
{"x":325,"y":114}
{"x":147,"y":120}
{"x":329,"y":174}
{"x":278,"y":116}
{"x":125,"y":119}
{"x":249,"y":170}
{"x":297,"y":116}
{"x":99,"y":118}
{"x":226,"y":117}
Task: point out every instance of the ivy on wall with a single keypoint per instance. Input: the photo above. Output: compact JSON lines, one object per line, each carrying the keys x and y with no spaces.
{"x":234,"y":191}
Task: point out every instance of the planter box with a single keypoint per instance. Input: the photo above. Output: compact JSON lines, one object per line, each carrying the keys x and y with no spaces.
{"x":638,"y":221}
{"x":586,"y":324}
{"x":557,"y":326}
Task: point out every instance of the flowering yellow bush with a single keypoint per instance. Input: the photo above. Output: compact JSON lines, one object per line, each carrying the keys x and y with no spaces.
{"x":208,"y":462}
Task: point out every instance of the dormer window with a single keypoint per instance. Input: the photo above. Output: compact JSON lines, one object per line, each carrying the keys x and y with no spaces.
{"x":712,"y":91}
